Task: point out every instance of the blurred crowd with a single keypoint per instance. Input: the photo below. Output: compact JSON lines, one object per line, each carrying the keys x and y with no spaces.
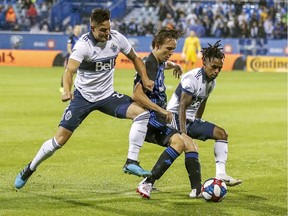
{"x":26,"y":15}
{"x":241,"y":19}
{"x":219,"y":18}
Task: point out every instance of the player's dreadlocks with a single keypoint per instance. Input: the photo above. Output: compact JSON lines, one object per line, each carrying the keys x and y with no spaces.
{"x":164,"y":33}
{"x":212,"y":51}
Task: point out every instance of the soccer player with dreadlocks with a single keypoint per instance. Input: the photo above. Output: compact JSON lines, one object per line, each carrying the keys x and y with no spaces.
{"x":188,"y":103}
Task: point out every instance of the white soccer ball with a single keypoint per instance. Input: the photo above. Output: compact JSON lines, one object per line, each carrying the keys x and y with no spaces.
{"x":214,"y":190}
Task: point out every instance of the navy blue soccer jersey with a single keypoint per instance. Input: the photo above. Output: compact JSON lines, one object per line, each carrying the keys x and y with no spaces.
{"x":72,"y":40}
{"x":155,"y":72}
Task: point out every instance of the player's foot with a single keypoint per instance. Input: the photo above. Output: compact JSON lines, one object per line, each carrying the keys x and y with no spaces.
{"x":23,"y":177}
{"x":195,"y":193}
{"x":61,"y":90}
{"x":135,"y":169}
{"x":230,"y":181}
{"x":144,"y":189}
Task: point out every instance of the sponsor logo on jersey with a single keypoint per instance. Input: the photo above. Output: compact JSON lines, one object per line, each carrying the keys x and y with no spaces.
{"x":105,"y":65}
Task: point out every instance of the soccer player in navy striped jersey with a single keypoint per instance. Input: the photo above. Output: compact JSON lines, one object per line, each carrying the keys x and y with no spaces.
{"x":159,"y":132}
{"x":93,"y":59}
{"x":188,"y":104}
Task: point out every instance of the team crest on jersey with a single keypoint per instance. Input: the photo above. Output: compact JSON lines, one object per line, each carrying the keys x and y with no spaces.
{"x":113,"y":47}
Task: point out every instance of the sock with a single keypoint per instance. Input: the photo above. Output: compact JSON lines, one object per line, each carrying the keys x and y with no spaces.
{"x":221,"y":154}
{"x":47,"y":150}
{"x":137,"y":135}
{"x":164,"y":162}
{"x":194,"y":169}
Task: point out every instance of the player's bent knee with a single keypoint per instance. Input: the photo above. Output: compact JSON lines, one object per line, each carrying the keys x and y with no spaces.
{"x":177,"y":143}
{"x":190,"y":144}
{"x":221,"y":134}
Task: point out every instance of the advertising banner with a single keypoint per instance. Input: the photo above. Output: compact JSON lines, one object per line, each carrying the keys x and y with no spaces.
{"x":266,"y":64}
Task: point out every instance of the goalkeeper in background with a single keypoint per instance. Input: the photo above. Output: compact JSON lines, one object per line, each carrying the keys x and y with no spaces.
{"x":191,"y":50}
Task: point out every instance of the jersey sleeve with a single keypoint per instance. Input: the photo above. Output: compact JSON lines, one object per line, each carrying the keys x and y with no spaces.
{"x":125,"y":46}
{"x":79,"y":51}
{"x":188,"y":85}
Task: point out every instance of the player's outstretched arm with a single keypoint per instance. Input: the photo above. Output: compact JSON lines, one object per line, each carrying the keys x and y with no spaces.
{"x":70,"y":70}
{"x":177,"y":69}
{"x":141,"y":98}
{"x":185,"y":101}
{"x":141,"y":69}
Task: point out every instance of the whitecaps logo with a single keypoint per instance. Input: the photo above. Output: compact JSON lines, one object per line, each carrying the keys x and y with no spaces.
{"x":68,"y":115}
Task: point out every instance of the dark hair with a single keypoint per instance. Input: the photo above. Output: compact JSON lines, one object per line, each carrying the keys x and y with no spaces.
{"x":164,"y":33}
{"x":212,"y":51}
{"x":99,"y":15}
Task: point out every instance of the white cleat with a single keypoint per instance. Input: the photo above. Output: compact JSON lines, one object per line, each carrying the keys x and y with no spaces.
{"x":193,"y":194}
{"x":144,"y":189}
{"x":229,"y":181}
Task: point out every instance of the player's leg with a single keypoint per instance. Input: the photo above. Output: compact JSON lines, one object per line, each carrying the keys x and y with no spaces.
{"x":192,"y":165}
{"x":72,"y":118}
{"x":136,"y":139}
{"x":121,"y":106}
{"x":166,"y":159}
{"x":221,"y":154}
{"x":203,"y":130}
{"x":47,"y":149}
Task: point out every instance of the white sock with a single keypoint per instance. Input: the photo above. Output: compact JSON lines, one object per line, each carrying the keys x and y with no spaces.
{"x":47,"y":150}
{"x":137,"y":135}
{"x":221,"y":154}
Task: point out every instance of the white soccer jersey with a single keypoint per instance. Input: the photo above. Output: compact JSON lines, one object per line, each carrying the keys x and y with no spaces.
{"x":195,"y":83}
{"x":95,"y":76}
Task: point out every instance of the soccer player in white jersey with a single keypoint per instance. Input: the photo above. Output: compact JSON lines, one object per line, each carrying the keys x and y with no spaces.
{"x":93,"y":59}
{"x":188,"y":103}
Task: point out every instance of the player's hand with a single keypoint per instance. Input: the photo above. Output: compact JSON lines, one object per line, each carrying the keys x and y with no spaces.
{"x":178,"y":71}
{"x":148,"y":84}
{"x":168,"y":116}
{"x":66,"y":96}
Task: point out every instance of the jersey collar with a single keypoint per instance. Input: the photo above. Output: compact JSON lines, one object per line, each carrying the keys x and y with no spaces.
{"x":94,"y":40}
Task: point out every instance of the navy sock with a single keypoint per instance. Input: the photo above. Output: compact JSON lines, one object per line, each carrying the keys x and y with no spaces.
{"x":194,"y":169}
{"x":164,"y":162}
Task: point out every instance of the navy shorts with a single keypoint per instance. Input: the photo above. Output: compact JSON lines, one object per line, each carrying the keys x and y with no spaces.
{"x":79,"y":108}
{"x":158,"y":131}
{"x":198,"y":129}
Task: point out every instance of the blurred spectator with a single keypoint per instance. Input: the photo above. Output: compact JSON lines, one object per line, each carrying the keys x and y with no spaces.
{"x":32,"y":14}
{"x":2,"y":18}
{"x":268,"y":26}
{"x":169,"y":21}
{"x":10,"y":17}
{"x":133,"y":28}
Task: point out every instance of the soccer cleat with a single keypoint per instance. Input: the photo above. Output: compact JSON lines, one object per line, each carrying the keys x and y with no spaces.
{"x":23,"y":177}
{"x":144,"y":189}
{"x":135,"y":169}
{"x":195,"y":193}
{"x":229,"y":181}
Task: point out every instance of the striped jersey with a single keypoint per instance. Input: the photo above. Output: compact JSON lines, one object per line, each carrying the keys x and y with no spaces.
{"x":195,"y":83}
{"x":155,"y":72}
{"x":95,"y":75}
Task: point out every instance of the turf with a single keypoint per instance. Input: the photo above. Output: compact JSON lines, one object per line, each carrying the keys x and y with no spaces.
{"x":86,"y":178}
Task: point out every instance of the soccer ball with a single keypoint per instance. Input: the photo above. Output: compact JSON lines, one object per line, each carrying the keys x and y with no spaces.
{"x":214,"y":190}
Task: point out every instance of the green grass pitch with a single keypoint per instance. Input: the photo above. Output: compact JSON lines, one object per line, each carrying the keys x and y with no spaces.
{"x":85,"y":177}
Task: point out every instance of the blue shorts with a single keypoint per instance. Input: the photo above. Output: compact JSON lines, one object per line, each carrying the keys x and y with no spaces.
{"x":198,"y":129}
{"x":79,"y":108}
{"x":158,"y":131}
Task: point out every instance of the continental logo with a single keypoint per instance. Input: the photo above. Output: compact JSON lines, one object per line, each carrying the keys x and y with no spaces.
{"x":267,"y":64}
